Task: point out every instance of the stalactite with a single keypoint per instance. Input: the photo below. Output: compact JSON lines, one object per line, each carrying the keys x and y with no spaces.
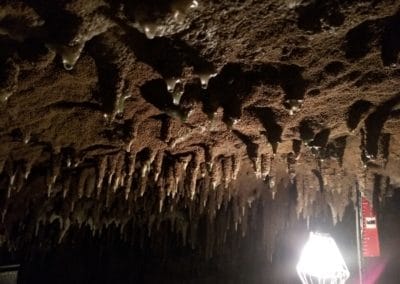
{"x":157,"y":164}
{"x":205,"y":78}
{"x":90,"y":183}
{"x":300,"y":195}
{"x":82,"y":182}
{"x":209,"y":156}
{"x":162,"y":188}
{"x":177,"y":173}
{"x":236,"y":214}
{"x":216,"y":173}
{"x":2,"y":164}
{"x":66,"y":186}
{"x":265,"y":165}
{"x":235,"y":166}
{"x":102,"y":167}
{"x":53,"y":173}
{"x":291,"y":166}
{"x":119,"y":171}
{"x":69,"y":54}
{"x":272,"y":177}
{"x":193,"y":171}
{"x":112,"y":165}
{"x":29,"y":163}
{"x":227,"y":171}
{"x":256,"y":160}
{"x":19,"y":179}
{"x":169,"y":180}
{"x":142,"y":185}
{"x":131,"y":170}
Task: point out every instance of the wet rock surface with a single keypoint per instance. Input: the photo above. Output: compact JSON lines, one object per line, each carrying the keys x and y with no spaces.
{"x":193,"y":119}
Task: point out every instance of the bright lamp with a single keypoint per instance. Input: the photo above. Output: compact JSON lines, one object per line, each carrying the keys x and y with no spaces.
{"x":321,"y":261}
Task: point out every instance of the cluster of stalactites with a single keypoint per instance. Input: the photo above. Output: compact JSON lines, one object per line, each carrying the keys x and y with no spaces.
{"x":125,"y":177}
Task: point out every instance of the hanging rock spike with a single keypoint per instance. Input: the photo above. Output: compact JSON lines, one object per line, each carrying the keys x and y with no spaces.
{"x":265,"y":165}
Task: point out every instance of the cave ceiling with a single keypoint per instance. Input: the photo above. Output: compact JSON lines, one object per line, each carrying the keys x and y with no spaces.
{"x":144,"y":112}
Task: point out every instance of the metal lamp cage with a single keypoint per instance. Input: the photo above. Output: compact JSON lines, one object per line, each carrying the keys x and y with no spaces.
{"x":321,"y":261}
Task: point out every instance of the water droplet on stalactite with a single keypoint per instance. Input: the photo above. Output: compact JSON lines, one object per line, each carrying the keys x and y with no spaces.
{"x":177,"y":93}
{"x":4,"y":96}
{"x":119,"y":104}
{"x":393,"y":65}
{"x":235,"y":166}
{"x":171,"y":83}
{"x":181,"y":7}
{"x":293,"y":3}
{"x":231,"y":122}
{"x":293,"y":106}
{"x":205,"y":78}
{"x":69,"y":54}
{"x":152,"y":30}
{"x":27,"y":138}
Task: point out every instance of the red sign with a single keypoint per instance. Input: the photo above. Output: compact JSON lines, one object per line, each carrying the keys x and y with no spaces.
{"x":370,"y":237}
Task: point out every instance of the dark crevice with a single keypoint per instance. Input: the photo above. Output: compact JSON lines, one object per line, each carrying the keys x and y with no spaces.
{"x":296,"y":146}
{"x":63,"y":105}
{"x":334,"y":68}
{"x":318,"y":175}
{"x":356,"y":112}
{"x":61,"y":25}
{"x":168,"y":56}
{"x":312,"y":16}
{"x":108,"y":74}
{"x":155,"y":92}
{"x":321,"y":138}
{"x":251,"y":147}
{"x":391,"y":40}
{"x":292,"y":82}
{"x":374,"y":124}
{"x":335,"y":149}
{"x":384,"y":146}
{"x":268,"y":119}
{"x":306,"y":131}
{"x":362,"y":38}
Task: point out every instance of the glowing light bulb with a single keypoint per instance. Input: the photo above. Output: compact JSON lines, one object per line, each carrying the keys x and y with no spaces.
{"x":321,"y":261}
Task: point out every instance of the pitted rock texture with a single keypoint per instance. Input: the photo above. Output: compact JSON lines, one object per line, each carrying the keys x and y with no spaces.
{"x":166,"y":116}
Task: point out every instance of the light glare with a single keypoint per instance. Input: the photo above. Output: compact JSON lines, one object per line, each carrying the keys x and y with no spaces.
{"x":321,"y":260}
